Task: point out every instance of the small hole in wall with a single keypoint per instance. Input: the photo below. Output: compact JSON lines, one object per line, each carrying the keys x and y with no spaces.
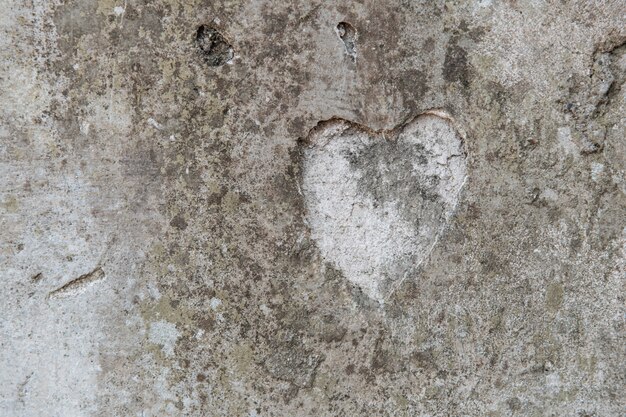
{"x":348,"y":35}
{"x":215,"y":49}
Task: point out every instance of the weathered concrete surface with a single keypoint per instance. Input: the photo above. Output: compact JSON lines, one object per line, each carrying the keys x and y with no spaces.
{"x":159,"y":252}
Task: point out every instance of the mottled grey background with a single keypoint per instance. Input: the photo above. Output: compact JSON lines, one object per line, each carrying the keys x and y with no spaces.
{"x":155,"y":258}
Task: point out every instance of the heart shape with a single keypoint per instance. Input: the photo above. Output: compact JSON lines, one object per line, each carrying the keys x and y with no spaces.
{"x":377,"y":202}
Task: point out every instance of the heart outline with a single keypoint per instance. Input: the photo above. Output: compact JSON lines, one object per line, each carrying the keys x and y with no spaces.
{"x":335,"y":128}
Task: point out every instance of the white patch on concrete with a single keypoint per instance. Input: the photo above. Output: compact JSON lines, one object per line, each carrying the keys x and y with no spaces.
{"x":265,"y":309}
{"x":215,"y":303}
{"x":596,"y":171}
{"x":84,"y":127}
{"x":549,"y":194}
{"x":372,"y":242}
{"x":568,"y":146}
{"x":155,"y":124}
{"x":165,"y":334}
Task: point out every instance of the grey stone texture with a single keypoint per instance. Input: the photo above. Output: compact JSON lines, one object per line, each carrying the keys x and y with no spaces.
{"x":160,"y":254}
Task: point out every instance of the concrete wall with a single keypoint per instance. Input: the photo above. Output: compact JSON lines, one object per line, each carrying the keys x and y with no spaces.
{"x":312,"y":208}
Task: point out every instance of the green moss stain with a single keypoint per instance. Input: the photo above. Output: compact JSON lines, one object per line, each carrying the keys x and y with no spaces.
{"x":10,"y":204}
{"x":554,"y":296}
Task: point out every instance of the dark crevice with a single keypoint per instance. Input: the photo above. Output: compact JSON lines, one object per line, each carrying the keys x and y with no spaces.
{"x":215,"y":49}
{"x":348,"y":35}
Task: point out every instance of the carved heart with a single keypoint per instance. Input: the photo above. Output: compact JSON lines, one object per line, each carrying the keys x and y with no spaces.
{"x":377,"y":201}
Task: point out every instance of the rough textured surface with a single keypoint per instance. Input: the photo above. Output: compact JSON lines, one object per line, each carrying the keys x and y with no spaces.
{"x":157,"y":256}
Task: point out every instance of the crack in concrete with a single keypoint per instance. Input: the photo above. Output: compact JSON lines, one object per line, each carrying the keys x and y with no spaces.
{"x":78,"y":285}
